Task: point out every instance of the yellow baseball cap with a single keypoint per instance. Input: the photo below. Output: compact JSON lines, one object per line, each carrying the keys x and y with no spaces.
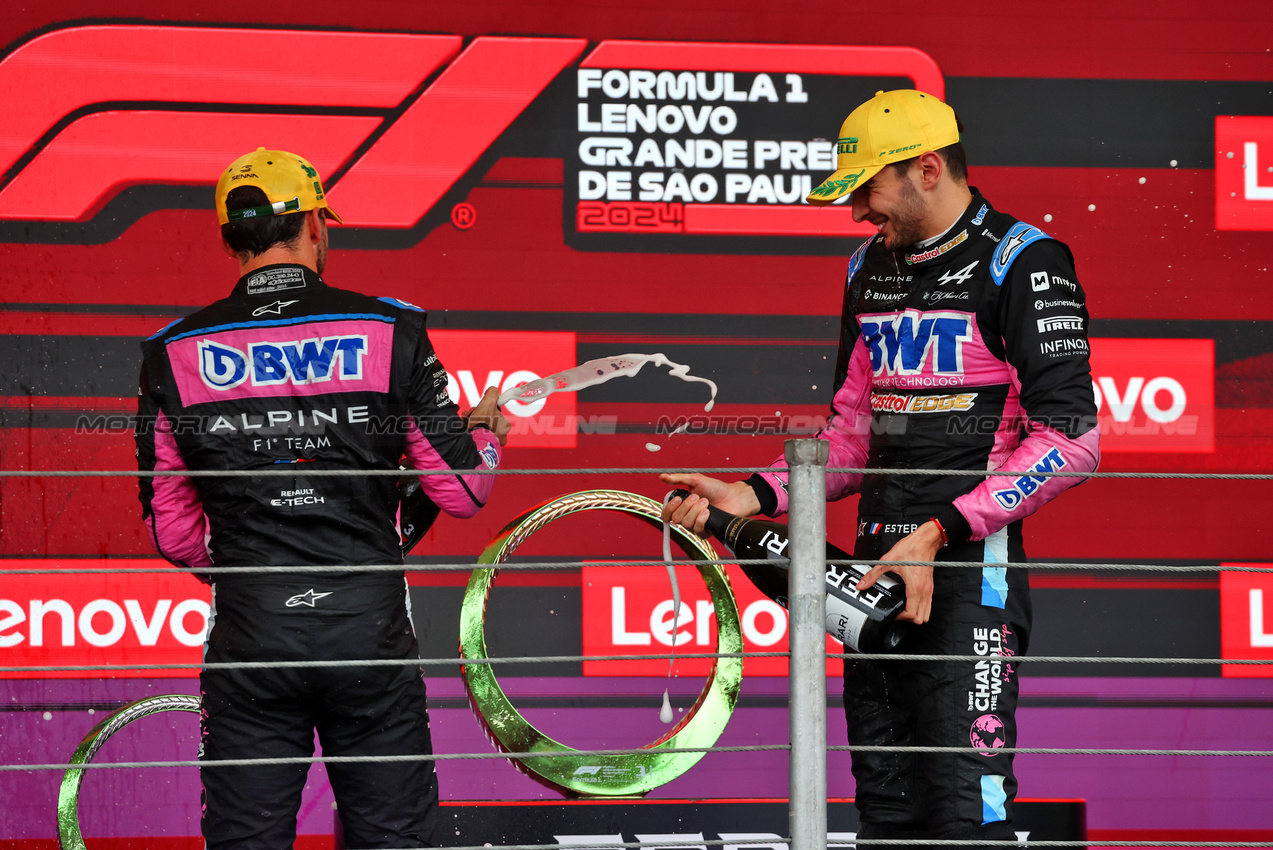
{"x":890,"y":127}
{"x":288,"y":180}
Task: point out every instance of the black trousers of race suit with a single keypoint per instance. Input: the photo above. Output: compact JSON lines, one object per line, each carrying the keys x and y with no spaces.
{"x":976,"y":611}
{"x":273,"y":713}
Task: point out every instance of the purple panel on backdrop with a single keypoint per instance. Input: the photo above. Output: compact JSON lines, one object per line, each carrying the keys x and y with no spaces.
{"x":1123,"y":792}
{"x":1153,"y":792}
{"x":153,"y":801}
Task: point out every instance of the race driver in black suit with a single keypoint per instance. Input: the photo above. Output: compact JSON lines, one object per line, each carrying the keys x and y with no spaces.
{"x":290,"y":374}
{"x":963,"y":346}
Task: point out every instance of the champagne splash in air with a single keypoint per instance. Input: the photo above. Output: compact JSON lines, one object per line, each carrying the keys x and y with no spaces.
{"x":598,"y":372}
{"x":680,"y":429}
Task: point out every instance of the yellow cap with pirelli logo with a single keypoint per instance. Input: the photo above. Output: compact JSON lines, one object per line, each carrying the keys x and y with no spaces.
{"x":890,"y":127}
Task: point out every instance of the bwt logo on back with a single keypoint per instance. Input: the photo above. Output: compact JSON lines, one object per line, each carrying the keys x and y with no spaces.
{"x":905,"y":343}
{"x":1027,"y":485}
{"x":307,"y":361}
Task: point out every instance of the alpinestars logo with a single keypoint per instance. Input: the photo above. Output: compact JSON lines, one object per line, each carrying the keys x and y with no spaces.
{"x":276,"y":308}
{"x":308,"y":598}
{"x":1018,"y":237}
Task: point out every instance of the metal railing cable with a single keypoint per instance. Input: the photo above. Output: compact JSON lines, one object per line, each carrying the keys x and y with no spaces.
{"x":616,"y":470}
{"x":567,"y":659}
{"x":546,"y":566}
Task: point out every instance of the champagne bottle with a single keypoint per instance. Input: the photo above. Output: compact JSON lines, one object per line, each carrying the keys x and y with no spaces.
{"x":864,"y":621}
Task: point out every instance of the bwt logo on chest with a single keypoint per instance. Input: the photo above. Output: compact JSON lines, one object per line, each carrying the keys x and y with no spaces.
{"x":306,"y":361}
{"x":904,"y":343}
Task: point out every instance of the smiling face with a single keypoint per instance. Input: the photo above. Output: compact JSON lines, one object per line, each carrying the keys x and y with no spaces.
{"x":894,"y":205}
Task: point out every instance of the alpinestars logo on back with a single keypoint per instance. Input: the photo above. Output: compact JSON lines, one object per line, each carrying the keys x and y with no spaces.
{"x":308,"y":598}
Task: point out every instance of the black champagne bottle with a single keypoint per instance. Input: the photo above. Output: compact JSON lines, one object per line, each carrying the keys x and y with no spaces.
{"x":864,"y":621}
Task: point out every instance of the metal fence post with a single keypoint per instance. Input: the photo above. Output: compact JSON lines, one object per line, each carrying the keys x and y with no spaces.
{"x":807,"y":494}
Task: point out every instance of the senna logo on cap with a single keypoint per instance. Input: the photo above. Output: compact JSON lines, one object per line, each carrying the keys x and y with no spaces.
{"x":835,"y":188}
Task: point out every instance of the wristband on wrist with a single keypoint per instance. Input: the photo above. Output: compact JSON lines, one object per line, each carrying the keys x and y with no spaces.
{"x":945,"y":538}
{"x":765,"y":496}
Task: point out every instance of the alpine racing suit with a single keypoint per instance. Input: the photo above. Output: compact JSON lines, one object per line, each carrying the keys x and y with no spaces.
{"x":290,"y":374}
{"x":969,"y":353}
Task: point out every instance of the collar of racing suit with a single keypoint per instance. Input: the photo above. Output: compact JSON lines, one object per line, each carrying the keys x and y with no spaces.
{"x":947,"y":245}
{"x":278,"y":277}
{"x":933,"y":240}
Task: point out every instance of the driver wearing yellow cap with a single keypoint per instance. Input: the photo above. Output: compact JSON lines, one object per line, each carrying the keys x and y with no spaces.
{"x":963,"y":346}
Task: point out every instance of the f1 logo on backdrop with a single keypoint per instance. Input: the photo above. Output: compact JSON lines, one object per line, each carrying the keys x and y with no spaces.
{"x":1244,"y":172}
{"x":101,"y":618}
{"x":1246,"y":621}
{"x":628,"y":611}
{"x":389,"y":153}
{"x":475,"y":360}
{"x":54,"y":88}
{"x":1155,"y":395}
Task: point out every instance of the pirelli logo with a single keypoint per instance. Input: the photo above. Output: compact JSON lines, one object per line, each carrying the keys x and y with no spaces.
{"x":902,"y":403}
{"x":1060,"y":323}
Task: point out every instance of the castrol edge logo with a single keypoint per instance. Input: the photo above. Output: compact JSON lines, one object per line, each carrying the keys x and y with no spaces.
{"x":101,"y":618}
{"x":886,"y":402}
{"x":628,"y":611}
{"x":1155,"y":395}
{"x":475,"y":360}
